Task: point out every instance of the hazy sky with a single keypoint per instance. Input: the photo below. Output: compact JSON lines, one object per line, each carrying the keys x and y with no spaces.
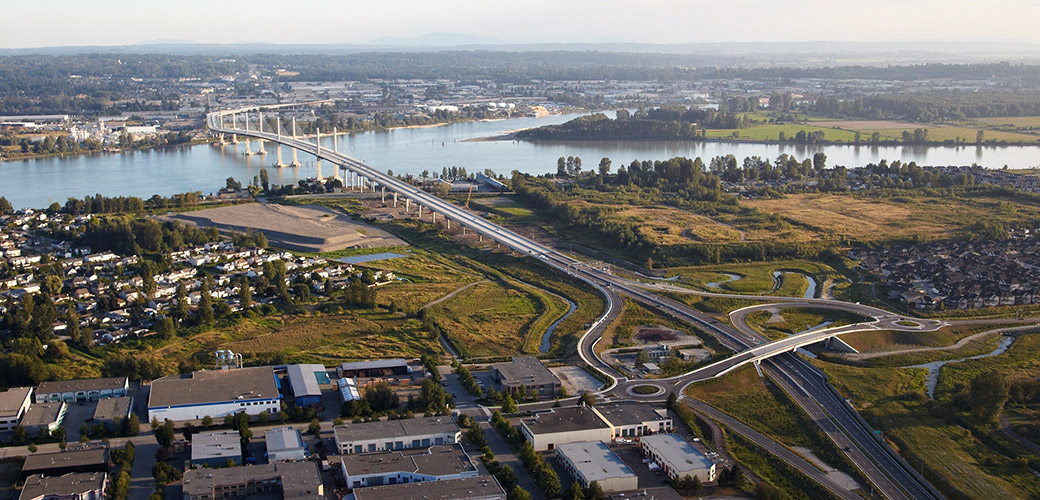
{"x":43,"y":23}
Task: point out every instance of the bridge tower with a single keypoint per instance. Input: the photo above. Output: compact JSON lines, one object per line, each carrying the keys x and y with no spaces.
{"x":278,"y":132}
{"x":261,"y":151}
{"x":317,"y":153}
{"x":248,"y":150}
{"x":234,"y":126}
{"x":335,"y":149}
{"x":295,"y":161}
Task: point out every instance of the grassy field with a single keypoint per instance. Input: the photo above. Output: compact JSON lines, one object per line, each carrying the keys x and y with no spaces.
{"x":791,"y":321}
{"x":891,"y":340}
{"x":498,"y":318}
{"x":1021,"y":361}
{"x":951,"y":457}
{"x":746,"y":396}
{"x":671,"y":226}
{"x":355,"y":335}
{"x":756,"y":277}
{"x":771,"y":132}
{"x":877,"y":219}
{"x":634,"y":315}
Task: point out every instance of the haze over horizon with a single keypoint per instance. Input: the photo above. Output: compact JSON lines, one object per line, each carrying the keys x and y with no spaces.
{"x":466,"y":22}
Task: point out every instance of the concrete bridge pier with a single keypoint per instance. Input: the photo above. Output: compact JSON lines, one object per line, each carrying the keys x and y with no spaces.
{"x":261,"y":150}
{"x":234,"y":138}
{"x":382,"y":195}
{"x":248,"y":150}
{"x":295,"y":159}
{"x":434,"y":214}
{"x":395,"y":200}
{"x":407,"y":205}
{"x":758,"y":367}
{"x":420,"y":211}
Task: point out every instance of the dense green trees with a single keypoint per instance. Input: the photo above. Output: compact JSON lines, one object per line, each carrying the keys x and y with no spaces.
{"x":988,"y":393}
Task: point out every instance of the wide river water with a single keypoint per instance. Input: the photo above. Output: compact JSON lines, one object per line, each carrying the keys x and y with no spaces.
{"x":37,"y":183}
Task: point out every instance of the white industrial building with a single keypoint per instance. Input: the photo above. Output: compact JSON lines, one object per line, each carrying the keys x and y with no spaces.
{"x":594,"y":461}
{"x":216,"y":393}
{"x":387,"y":435}
{"x":676,"y":457}
{"x":632,"y":420}
{"x":436,"y":463}
{"x":285,"y":444}
{"x":214,"y":449}
{"x":13,"y":404}
{"x":558,"y":426}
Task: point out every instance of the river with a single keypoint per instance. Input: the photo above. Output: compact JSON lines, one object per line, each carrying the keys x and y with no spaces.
{"x":37,"y":183}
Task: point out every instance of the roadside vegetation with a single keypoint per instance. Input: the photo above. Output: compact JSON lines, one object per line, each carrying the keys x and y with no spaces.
{"x":954,"y":438}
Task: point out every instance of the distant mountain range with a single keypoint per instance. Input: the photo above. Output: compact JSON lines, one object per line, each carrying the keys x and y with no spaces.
{"x":813,"y":52}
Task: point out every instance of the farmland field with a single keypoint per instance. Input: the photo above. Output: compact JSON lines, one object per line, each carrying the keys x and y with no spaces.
{"x":875,"y":219}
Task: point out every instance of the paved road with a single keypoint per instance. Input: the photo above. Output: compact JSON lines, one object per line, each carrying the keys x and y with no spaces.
{"x":607,"y":284}
{"x":1009,"y":431}
{"x":505,"y":456}
{"x":778,"y":450}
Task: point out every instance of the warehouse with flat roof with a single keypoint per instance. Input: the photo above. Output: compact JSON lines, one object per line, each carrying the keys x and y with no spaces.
{"x":284,"y":443}
{"x":590,"y":461}
{"x":90,"y":389}
{"x":88,"y":459}
{"x":565,"y":425}
{"x":288,"y":480}
{"x":527,"y":373}
{"x":44,"y":418}
{"x":214,"y":449}
{"x":13,"y":404}
{"x":470,"y":488}
{"x":216,"y":393}
{"x":632,"y":420}
{"x":386,"y":435}
{"x":407,"y":466}
{"x":111,"y":411}
{"x":677,"y":457}
{"x":74,"y":485}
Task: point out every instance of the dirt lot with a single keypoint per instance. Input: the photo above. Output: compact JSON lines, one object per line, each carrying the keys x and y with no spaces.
{"x":307,"y":228}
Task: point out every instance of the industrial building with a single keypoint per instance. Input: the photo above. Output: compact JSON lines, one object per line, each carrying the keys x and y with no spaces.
{"x":565,"y":425}
{"x":111,"y":411}
{"x":409,"y":466}
{"x":288,"y":480}
{"x":73,"y":391}
{"x":214,"y":449}
{"x":526,"y":373}
{"x":677,"y":457}
{"x":631,"y":420}
{"x":470,"y":488}
{"x":216,"y":393}
{"x":13,"y":404}
{"x":376,"y":368}
{"x":594,"y":461}
{"x":305,"y":382}
{"x":285,"y":444}
{"x":79,"y":460}
{"x":387,"y":435}
{"x":73,"y":486}
{"x":43,"y":418}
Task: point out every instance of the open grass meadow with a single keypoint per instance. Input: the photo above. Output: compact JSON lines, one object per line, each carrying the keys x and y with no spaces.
{"x":353,"y":335}
{"x":745,"y":395}
{"x":498,"y":318}
{"x":961,"y":462}
{"x":671,"y":226}
{"x":756,"y":278}
{"x":1020,"y":362}
{"x":791,"y":321}
{"x":892,"y":340}
{"x":871,"y":219}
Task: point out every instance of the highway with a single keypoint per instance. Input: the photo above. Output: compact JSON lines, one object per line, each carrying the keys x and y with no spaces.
{"x":750,"y":346}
